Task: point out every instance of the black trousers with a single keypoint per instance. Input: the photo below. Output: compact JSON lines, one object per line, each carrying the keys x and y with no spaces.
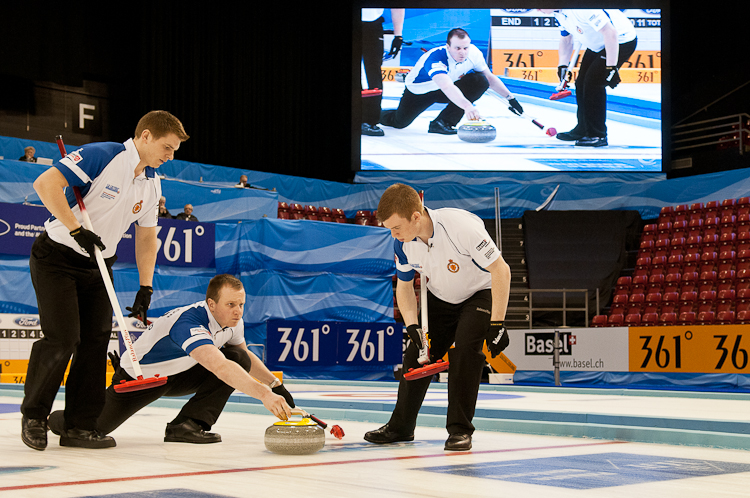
{"x":591,"y":90}
{"x":210,"y":395}
{"x":411,"y":105}
{"x":466,"y":324}
{"x":76,"y":319}
{"x":372,"y":59}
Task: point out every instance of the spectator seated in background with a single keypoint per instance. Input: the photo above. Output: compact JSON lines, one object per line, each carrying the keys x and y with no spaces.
{"x":163,"y":211}
{"x":187,"y":214}
{"x":243,"y":182}
{"x":28,"y":155}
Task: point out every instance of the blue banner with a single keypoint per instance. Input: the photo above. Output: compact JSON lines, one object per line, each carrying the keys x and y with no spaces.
{"x":20,"y":225}
{"x":181,"y":243}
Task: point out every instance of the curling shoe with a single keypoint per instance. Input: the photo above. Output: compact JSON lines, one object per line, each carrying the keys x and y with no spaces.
{"x":34,"y":433}
{"x":189,"y":432}
{"x":458,"y":442}
{"x":82,"y":438}
{"x":385,"y":435}
{"x":441,"y":127}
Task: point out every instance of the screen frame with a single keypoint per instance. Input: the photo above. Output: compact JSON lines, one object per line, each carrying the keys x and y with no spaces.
{"x":356,"y":43}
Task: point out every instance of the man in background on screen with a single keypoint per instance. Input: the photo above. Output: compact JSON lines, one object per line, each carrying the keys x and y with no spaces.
{"x":455,"y":73}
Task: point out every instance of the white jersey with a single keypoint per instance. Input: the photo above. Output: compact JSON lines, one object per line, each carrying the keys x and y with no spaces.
{"x":454,"y":258}
{"x":439,"y":61}
{"x":164,"y":347}
{"x":114,"y":198}
{"x":586,"y":26}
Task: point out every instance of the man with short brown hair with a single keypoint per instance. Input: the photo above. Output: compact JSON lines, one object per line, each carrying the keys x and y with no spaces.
{"x":119,"y":186}
{"x":468,"y":288}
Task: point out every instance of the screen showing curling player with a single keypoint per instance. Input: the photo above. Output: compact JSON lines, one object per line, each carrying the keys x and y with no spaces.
{"x":563,"y":102}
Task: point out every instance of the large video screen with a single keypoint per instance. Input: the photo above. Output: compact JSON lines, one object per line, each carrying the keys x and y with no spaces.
{"x":415,"y":92}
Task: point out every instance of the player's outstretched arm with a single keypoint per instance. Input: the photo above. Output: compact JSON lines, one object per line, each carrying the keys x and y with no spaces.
{"x":234,"y":375}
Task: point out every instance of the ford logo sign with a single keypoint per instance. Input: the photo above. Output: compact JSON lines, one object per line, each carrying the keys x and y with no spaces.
{"x":27,"y":321}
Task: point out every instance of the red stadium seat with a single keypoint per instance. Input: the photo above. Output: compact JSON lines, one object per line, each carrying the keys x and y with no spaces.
{"x":599,"y":321}
{"x":695,"y":211}
{"x":665,"y":214}
{"x":705,"y":318}
{"x":616,"y":320}
{"x":680,"y":212}
{"x":727,"y":207}
{"x":632,"y":319}
{"x":711,"y":209}
{"x":653,"y":303}
{"x":686,"y":318}
{"x":669,"y":302}
{"x":742,"y":242}
{"x":650,"y":319}
{"x":646,"y":249}
{"x":743,"y":317}
{"x":667,"y":319}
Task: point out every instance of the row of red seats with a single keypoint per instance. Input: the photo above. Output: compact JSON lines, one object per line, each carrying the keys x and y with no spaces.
{"x":726,"y":317}
{"x":673,"y":302}
{"x":683,"y":282}
{"x":711,"y":209}
{"x":297,"y":211}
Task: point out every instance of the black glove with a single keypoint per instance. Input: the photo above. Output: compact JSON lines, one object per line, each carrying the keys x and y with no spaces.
{"x":281,"y":391}
{"x":415,"y":332}
{"x":115,"y":359}
{"x":563,"y":74}
{"x":141,"y":304}
{"x":395,"y":46}
{"x":497,"y":338}
{"x":515,"y":107}
{"x":87,"y":240}
{"x":612,"y":76}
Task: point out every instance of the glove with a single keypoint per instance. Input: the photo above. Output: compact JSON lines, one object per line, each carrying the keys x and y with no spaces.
{"x":420,"y":340}
{"x":612,"y":76}
{"x":497,"y":338}
{"x":515,"y":107}
{"x":415,"y":334}
{"x":115,"y":359}
{"x":564,"y":76}
{"x":395,"y":46}
{"x":87,"y":240}
{"x":281,"y":391}
{"x":141,"y":304}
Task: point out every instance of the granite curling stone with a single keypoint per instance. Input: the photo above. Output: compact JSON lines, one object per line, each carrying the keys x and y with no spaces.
{"x":477,"y":132}
{"x":302,"y":437}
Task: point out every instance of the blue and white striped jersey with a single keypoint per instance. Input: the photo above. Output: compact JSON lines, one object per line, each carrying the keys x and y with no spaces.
{"x":104,"y":173}
{"x":439,"y":61}
{"x":164,"y":348}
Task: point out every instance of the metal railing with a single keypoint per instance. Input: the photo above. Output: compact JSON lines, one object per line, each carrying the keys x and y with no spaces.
{"x":727,"y":132}
{"x":565,"y":308}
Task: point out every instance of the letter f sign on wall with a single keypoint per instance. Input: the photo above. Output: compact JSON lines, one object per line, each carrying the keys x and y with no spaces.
{"x":83,"y":116}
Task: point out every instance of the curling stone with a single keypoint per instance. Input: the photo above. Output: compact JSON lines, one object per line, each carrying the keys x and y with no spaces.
{"x":477,"y":132}
{"x":300,"y":437}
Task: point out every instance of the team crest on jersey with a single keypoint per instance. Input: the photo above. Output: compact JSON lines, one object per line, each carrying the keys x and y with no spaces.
{"x":75,"y":156}
{"x":137,"y":207}
{"x":453,"y":266}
